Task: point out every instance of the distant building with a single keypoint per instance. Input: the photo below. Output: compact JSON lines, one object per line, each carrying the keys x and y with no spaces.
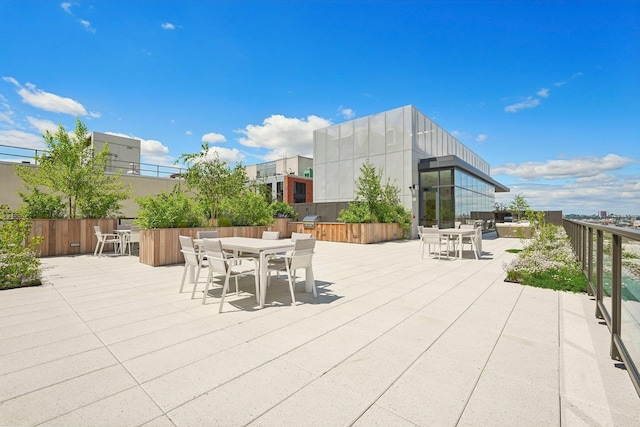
{"x":124,"y":153}
{"x":290,"y":179}
{"x":440,"y":179}
{"x":603,"y":214}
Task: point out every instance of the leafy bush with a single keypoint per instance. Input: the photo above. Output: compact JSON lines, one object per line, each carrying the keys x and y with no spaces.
{"x":19,"y":264}
{"x":173,"y":210}
{"x":248,"y":208}
{"x":547,"y":259}
{"x":224,"y":222}
{"x":283,"y":210}
{"x":39,"y":205}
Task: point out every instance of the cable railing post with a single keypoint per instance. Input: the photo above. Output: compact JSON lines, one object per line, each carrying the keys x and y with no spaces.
{"x":599,"y":273}
{"x":616,"y":293}
{"x":589,"y":262}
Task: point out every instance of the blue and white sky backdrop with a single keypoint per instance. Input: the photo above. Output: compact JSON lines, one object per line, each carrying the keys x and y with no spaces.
{"x":547,"y":92}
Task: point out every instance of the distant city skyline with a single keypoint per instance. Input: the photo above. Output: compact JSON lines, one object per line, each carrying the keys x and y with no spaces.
{"x":546,"y":92}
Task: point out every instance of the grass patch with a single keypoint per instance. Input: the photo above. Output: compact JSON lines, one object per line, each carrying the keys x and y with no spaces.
{"x":514,"y":251}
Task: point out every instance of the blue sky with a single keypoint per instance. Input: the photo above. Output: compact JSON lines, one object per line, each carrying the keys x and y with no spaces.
{"x":547,"y":92}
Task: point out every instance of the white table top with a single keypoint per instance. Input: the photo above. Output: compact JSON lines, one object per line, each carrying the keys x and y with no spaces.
{"x":250,"y":244}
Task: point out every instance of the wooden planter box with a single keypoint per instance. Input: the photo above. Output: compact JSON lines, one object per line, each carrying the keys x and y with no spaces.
{"x":69,"y":236}
{"x":161,"y":246}
{"x":353,"y":233}
{"x":511,"y":231}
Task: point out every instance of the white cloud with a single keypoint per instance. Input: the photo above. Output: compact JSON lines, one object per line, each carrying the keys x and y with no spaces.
{"x":35,"y":97}
{"x":347,"y":113}
{"x":87,"y":26}
{"x":188,"y":132}
{"x":481,"y":138}
{"x":43,"y":125}
{"x":530,"y":102}
{"x":228,"y":155}
{"x":543,"y":93}
{"x":561,"y":169}
{"x":6,"y":115}
{"x":66,"y":6}
{"x":618,"y":194}
{"x":283,"y":136}
{"x":154,"y":152}
{"x":168,"y":26}
{"x":213,"y":138}
{"x":18,"y":138}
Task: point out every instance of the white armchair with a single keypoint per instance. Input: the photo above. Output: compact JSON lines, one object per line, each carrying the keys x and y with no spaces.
{"x":105,"y":239}
{"x":300,"y":257}
{"x":220,"y":263}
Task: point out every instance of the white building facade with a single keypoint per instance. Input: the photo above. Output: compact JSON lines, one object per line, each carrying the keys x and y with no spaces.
{"x":440,"y":179}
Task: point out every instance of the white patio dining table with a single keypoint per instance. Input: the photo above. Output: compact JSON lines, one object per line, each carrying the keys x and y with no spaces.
{"x":457,"y":233}
{"x":124,"y":236}
{"x":262,"y":248}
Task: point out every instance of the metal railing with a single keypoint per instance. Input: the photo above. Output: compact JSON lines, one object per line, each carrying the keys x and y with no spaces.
{"x":29,"y":156}
{"x":610,"y":259}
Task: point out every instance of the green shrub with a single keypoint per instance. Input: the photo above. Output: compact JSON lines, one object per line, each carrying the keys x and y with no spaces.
{"x":19,"y":264}
{"x":224,"y":222}
{"x":547,"y":260}
{"x":248,"y":208}
{"x":173,"y":210}
{"x":39,"y":205}
{"x":283,"y":210}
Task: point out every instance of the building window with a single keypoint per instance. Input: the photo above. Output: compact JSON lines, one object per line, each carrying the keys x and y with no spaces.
{"x":280,"y":191}
{"x":299,"y":192}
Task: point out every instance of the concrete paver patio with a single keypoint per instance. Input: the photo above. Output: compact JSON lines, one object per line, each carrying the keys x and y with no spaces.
{"x":391,"y":339}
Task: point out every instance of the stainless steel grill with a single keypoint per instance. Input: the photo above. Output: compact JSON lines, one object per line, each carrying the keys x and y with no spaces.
{"x":309,"y":221}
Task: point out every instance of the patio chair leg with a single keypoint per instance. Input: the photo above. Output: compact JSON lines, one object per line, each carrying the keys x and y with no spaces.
{"x":291,"y":282}
{"x":224,"y":292}
{"x":184,"y":276}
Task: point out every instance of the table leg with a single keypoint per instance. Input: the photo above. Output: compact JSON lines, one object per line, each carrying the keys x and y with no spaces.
{"x":308,"y":279}
{"x":262,"y":283}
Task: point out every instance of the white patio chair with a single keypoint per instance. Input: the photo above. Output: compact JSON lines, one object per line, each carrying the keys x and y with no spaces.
{"x":130,"y":238}
{"x":474,"y":241}
{"x":208,"y":234}
{"x":300,"y":257}
{"x":230,"y":267}
{"x":191,"y":259}
{"x":105,"y":239}
{"x":432,"y":237}
{"x":295,"y":236}
{"x":271,"y":235}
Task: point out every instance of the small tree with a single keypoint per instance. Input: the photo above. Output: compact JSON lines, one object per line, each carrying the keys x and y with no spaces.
{"x":70,"y":170}
{"x":519,"y":205}
{"x":212,"y":179}
{"x":375,"y":202}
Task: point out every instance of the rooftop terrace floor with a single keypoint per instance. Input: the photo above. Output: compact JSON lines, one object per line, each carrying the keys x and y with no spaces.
{"x":391,"y":340}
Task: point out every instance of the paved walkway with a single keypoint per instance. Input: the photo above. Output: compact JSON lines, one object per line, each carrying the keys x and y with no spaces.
{"x":391,"y":340}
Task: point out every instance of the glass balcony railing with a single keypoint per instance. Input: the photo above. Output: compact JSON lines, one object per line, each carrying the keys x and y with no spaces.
{"x":610,"y":258}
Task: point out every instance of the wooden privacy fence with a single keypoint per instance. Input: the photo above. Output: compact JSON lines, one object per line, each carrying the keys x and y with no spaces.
{"x":353,"y":233}
{"x":69,"y":236}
